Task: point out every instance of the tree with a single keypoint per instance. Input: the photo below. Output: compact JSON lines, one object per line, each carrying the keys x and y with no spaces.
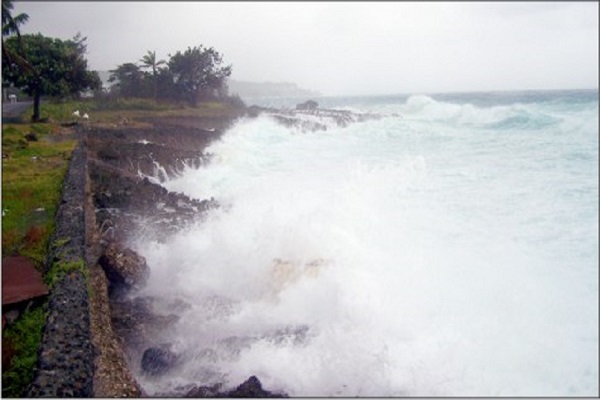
{"x":198,"y":73}
{"x":165,"y":84}
{"x":128,"y":78}
{"x":10,"y":24}
{"x":149,"y":61}
{"x":10,"y":27}
{"x":60,"y":68}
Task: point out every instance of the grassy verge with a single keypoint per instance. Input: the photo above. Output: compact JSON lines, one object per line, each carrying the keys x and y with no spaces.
{"x":32,"y":174}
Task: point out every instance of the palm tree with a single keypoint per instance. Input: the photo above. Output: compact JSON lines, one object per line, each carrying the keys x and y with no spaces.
{"x":149,"y":61}
{"x":10,"y":26}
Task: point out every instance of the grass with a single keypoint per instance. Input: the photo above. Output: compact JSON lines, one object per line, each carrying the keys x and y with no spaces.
{"x":60,"y":269}
{"x":24,"y":337}
{"x":32,"y":176}
{"x":115,"y":110}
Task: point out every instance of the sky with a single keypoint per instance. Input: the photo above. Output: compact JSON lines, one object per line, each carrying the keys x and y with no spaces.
{"x":348,"y":48}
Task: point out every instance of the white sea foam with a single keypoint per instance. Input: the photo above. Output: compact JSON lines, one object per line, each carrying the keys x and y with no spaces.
{"x":443,"y":254}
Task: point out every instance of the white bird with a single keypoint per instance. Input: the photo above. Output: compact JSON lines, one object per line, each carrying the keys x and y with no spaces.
{"x":76,"y":113}
{"x":85,"y":116}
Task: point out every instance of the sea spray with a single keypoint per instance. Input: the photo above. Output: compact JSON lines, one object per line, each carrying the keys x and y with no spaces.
{"x":449,"y":249}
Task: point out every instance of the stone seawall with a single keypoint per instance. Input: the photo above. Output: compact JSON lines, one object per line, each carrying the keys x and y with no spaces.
{"x":65,"y":359}
{"x":80,"y":356}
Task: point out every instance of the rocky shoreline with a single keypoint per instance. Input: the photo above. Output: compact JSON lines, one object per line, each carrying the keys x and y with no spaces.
{"x":111,"y":192}
{"x":126,"y":165}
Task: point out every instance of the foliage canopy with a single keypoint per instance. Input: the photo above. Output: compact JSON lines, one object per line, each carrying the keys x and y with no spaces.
{"x":196,"y":74}
{"x":60,"y":68}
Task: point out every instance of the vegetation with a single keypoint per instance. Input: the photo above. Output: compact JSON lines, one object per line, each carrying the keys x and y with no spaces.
{"x":32,"y":174}
{"x":10,"y":23}
{"x":10,"y":27}
{"x":35,"y":159}
{"x":24,"y":337}
{"x":60,"y":269}
{"x":198,"y":74}
{"x":60,"y":68}
{"x":195,"y":75}
{"x":149,"y":61}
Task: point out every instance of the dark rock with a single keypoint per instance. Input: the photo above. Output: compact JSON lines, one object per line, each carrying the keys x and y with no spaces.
{"x":307,"y":117}
{"x":137,"y":323}
{"x":124,"y":267}
{"x":251,"y":388}
{"x":158,"y":360}
{"x":307,"y":105}
{"x":204,"y":391}
{"x":66,"y":350}
{"x":31,"y":137}
{"x":253,"y":111}
{"x":69,"y":124}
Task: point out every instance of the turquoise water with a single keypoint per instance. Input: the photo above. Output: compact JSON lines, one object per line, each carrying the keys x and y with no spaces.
{"x":449,"y":248}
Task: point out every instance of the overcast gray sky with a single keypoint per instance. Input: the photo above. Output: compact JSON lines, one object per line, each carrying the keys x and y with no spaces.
{"x":348,"y":48}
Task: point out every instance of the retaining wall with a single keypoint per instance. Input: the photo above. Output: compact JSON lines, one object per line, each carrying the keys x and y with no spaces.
{"x":66,"y":357}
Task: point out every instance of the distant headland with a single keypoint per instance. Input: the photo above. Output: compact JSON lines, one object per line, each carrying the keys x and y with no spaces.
{"x":268,"y":89}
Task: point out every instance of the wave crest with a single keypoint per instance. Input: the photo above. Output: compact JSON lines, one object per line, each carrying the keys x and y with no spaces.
{"x":514,"y":116}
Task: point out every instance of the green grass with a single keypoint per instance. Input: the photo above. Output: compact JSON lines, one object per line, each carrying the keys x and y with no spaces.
{"x":32,"y":178}
{"x":61,"y":268}
{"x":24,"y":336}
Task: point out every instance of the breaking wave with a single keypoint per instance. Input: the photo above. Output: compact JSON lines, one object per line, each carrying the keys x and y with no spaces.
{"x":450,"y":250}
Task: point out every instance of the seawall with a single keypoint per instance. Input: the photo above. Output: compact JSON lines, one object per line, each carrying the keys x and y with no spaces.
{"x":65,"y":359}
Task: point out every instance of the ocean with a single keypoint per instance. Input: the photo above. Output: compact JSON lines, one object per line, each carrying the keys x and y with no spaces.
{"x":449,"y":248}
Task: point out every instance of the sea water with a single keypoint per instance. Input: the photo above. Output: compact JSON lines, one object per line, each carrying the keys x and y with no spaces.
{"x":449,"y":248}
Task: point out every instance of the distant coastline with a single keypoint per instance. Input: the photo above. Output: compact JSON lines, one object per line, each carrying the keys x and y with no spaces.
{"x":246,"y":89}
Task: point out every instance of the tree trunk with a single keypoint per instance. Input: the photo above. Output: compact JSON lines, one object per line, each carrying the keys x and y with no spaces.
{"x":154,"y":89}
{"x":36,"y":106}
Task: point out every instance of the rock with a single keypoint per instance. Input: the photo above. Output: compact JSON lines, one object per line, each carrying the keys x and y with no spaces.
{"x":158,"y":360}
{"x":31,"y":137}
{"x":204,"y":391}
{"x":20,"y":281}
{"x":125,"y":269}
{"x":253,"y":111}
{"x":251,"y":388}
{"x":68,"y":124}
{"x":307,"y":105}
{"x":136,"y":322}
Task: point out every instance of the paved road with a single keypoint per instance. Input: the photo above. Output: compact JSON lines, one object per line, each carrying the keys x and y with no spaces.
{"x":14,"y":110}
